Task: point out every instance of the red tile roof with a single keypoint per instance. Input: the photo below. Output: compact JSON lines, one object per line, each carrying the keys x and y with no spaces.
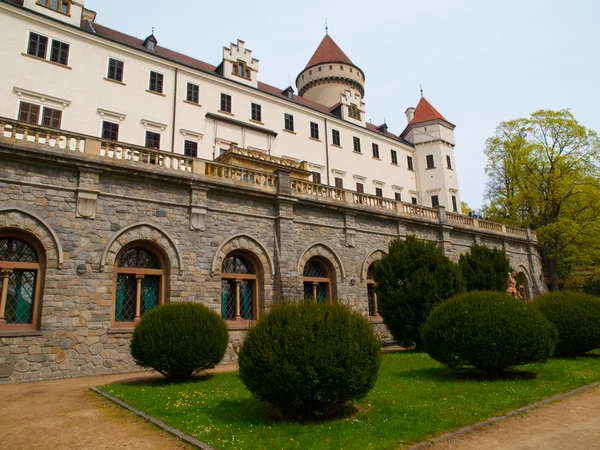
{"x":426,"y":112}
{"x":328,"y":51}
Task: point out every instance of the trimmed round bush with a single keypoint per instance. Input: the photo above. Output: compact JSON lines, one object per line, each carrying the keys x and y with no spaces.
{"x":576,"y":317}
{"x":178,"y":339}
{"x":489,"y":331}
{"x":485,"y":268}
{"x":308,"y":360}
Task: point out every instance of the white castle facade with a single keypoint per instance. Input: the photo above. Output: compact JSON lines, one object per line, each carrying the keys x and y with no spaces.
{"x":62,"y":69}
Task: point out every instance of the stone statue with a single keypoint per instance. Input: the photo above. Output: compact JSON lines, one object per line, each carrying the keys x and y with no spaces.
{"x":511,"y":285}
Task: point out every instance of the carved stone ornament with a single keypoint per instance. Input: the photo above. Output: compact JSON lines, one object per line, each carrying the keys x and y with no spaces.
{"x":198,"y":219}
{"x":86,"y":204}
{"x":350,"y":238}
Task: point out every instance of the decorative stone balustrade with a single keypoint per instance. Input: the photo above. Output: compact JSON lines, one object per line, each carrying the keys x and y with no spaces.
{"x":304,"y":187}
{"x":241,"y":174}
{"x":116,"y":152}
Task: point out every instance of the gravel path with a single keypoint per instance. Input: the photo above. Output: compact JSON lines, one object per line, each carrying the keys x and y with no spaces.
{"x":573,"y":423}
{"x":65,"y":414}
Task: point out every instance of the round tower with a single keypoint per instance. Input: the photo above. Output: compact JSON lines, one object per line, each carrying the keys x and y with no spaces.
{"x":328,"y":74}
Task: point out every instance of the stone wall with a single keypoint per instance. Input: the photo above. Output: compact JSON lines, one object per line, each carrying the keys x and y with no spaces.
{"x":83,"y":211}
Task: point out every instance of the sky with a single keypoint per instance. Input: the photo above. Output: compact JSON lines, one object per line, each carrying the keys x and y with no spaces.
{"x":479,"y":62}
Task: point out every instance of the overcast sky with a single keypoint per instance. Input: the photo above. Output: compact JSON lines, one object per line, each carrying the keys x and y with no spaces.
{"x":480,"y":62}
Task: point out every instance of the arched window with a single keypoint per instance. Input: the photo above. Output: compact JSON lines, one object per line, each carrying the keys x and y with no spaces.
{"x":238,"y":289}
{"x":523,"y":286}
{"x":140,"y":284}
{"x":371,"y":294}
{"x":317,"y":281}
{"x":21,"y":272}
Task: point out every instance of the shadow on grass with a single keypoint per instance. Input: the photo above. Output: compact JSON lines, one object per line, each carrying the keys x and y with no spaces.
{"x":443,"y":374}
{"x":154,"y":380}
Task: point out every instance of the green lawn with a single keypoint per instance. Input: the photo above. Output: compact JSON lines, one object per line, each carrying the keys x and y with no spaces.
{"x":414,"y":398}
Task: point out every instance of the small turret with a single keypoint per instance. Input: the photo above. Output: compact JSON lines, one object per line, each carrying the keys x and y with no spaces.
{"x":330,"y":74}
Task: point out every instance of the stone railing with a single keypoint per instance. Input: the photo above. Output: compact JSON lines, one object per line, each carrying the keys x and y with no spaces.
{"x":49,"y":137}
{"x":460,"y":219}
{"x":284,"y":162}
{"x":409,"y":209}
{"x":241,"y":174}
{"x":373,"y":201}
{"x":12,"y":130}
{"x":125,"y":152}
{"x":317,"y":190}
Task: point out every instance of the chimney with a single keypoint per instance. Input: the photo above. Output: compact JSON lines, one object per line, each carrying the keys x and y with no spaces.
{"x":410,"y":114}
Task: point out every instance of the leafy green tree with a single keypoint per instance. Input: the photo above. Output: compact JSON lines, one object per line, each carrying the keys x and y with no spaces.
{"x":412,"y":279}
{"x":544,"y":173}
{"x":485,"y":269}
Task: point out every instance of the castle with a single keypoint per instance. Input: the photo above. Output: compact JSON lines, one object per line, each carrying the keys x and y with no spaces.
{"x":132,"y":175}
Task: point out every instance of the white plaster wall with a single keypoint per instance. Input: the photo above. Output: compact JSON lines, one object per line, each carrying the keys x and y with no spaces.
{"x":86,"y":90}
{"x":73,"y":18}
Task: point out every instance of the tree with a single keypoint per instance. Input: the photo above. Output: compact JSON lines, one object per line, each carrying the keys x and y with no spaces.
{"x":485,"y":269}
{"x":465,"y":208}
{"x":543,"y":173}
{"x":411,"y":280}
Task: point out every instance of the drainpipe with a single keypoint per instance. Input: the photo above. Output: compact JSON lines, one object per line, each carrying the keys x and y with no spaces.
{"x":174,"y":111}
{"x":327,"y":151}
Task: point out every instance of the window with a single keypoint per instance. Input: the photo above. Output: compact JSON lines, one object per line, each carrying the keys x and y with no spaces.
{"x":256,"y":111}
{"x":435,"y":201}
{"x":414,"y":200}
{"x":317,"y":281}
{"x":139,"y":284}
{"x":115,"y":70}
{"x":288,"y":122}
{"x":152,"y":140}
{"x":37,"y":45}
{"x":240,"y":69}
{"x":375,"y":151}
{"x":371,"y":294}
{"x":335,"y":136}
{"x":20,"y":273}
{"x":110,"y":131}
{"x":409,"y":161}
{"x":360,"y":188}
{"x":226,"y":103}
{"x":60,"y":52}
{"x":354,"y":112}
{"x":398,"y":196}
{"x":316,"y":177}
{"x":339,"y":183}
{"x":52,"y":118}
{"x":454,"y":204}
{"x":314,"y":130}
{"x":430,"y":164}
{"x":379,"y":192}
{"x":156,"y":82}
{"x":449,"y":162}
{"x":356,"y":144}
{"x":190,"y":148}
{"x":29,"y":113}
{"x":394,"y":157}
{"x":62,"y":6}
{"x":238,"y":289}
{"x":193,"y":93}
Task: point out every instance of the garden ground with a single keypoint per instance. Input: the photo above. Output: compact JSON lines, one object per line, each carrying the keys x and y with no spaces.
{"x":65,"y":414}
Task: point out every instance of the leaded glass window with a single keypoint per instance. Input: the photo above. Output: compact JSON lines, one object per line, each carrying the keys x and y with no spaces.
{"x":19,"y":273}
{"x":317,"y":282}
{"x":238,"y":289}
{"x":139,"y":284}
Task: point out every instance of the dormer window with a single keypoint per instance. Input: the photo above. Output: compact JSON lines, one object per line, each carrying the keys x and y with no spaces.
{"x":61,"y":6}
{"x":150,"y":43}
{"x":289,"y":92}
{"x":354,"y":112}
{"x":241,"y":70}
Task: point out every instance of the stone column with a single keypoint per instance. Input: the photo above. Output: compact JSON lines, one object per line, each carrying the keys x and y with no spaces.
{"x":5,"y":273}
{"x":288,"y":282}
{"x":138,"y":297}
{"x":238,"y":316}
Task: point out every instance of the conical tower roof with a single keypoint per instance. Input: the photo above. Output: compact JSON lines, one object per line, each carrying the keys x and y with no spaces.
{"x":328,"y":51}
{"x":426,"y":112}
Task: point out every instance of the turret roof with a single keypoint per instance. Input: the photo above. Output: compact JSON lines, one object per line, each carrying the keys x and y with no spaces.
{"x":328,"y":51}
{"x":426,"y":112}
